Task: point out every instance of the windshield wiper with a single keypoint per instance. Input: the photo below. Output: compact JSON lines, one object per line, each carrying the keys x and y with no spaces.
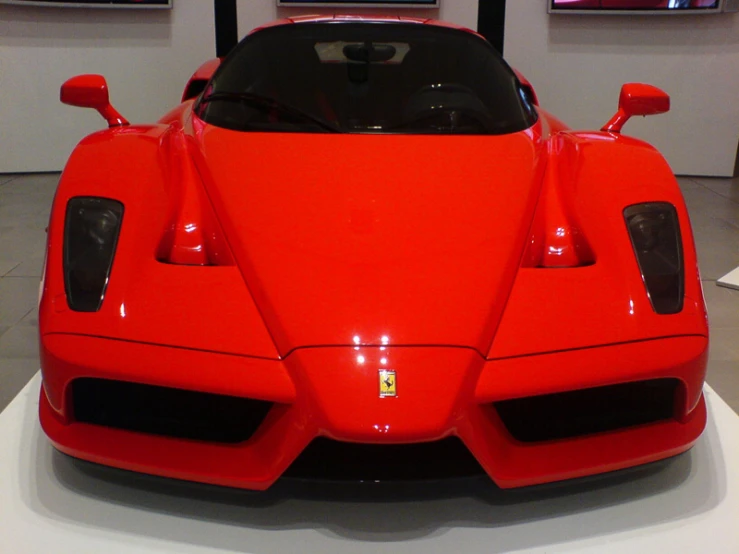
{"x":267,"y":103}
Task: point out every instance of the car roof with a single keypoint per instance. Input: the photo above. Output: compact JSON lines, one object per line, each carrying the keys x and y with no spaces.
{"x":359,"y":18}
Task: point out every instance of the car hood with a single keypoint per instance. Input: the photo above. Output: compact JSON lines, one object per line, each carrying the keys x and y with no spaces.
{"x":375,"y":239}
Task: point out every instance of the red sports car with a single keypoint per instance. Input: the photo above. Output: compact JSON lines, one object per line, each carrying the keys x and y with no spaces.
{"x":359,"y":249}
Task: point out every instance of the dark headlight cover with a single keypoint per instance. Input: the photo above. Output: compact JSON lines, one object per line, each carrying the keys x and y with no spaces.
{"x":91,"y":231}
{"x":655,"y":235}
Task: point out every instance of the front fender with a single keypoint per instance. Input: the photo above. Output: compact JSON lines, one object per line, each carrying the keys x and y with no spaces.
{"x":596,"y":176}
{"x":147,"y":301}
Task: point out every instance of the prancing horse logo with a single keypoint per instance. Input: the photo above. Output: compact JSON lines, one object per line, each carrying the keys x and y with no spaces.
{"x":388,"y":383}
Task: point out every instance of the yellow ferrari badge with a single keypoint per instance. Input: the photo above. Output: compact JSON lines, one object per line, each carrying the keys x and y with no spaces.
{"x":388,"y":385}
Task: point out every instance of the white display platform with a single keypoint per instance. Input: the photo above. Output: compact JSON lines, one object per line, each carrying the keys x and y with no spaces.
{"x":51,"y":503}
{"x":730,"y":280}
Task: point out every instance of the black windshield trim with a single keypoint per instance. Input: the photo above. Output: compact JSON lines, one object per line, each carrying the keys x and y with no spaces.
{"x":268,"y":102}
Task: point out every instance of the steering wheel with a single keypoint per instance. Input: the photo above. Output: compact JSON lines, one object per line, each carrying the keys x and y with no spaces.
{"x":450,"y":99}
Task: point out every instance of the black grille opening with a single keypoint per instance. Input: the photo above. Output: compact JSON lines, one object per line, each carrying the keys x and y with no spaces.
{"x":326,"y":459}
{"x":166,"y":411}
{"x":583,"y":412}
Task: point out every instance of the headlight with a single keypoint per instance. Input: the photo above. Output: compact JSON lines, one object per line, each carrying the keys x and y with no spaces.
{"x":90,"y":236}
{"x":655,"y":236}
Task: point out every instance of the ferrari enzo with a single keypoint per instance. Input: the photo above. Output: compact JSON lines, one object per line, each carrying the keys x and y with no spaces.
{"x":358,"y":248}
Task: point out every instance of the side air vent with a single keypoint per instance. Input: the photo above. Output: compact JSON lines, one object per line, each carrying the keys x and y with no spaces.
{"x":583,"y":412}
{"x":194,"y":88}
{"x":166,"y":411}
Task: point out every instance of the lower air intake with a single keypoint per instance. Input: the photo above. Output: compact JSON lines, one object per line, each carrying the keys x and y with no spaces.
{"x":166,"y":411}
{"x":583,"y":412}
{"x":326,"y":459}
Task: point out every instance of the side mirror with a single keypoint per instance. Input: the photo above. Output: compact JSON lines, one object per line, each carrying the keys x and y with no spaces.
{"x":637,"y":99}
{"x":91,"y":91}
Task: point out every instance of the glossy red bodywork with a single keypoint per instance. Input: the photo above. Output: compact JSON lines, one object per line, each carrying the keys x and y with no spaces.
{"x":91,"y":91}
{"x":293,"y":267}
{"x":637,"y":99}
{"x":200,"y":78}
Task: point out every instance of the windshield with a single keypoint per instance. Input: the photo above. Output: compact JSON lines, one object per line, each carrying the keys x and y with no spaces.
{"x":366,"y":78}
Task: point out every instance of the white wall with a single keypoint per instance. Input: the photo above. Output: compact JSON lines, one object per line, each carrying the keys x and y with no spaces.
{"x":578,"y":63}
{"x":146,"y":56}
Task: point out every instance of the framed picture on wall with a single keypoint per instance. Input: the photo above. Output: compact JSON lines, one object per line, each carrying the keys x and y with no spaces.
{"x":93,"y":3}
{"x":650,"y":7}
{"x":361,"y":3}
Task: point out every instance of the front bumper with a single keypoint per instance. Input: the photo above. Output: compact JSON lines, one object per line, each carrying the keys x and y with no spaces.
{"x":334,"y":392}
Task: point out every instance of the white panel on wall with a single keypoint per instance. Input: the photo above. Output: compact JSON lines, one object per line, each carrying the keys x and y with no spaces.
{"x":146,"y":56}
{"x":578,"y":63}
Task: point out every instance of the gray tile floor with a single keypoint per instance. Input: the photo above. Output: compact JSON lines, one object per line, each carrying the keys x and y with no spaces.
{"x":24,"y":209}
